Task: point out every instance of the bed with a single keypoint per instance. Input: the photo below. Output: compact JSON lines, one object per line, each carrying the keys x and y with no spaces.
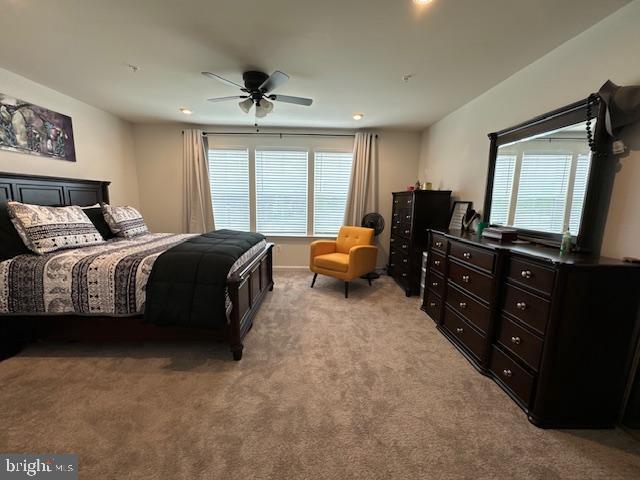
{"x":123,"y":277}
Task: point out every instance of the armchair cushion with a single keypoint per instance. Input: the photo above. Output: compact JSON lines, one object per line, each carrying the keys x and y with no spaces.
{"x":338,"y":262}
{"x":353,"y":236}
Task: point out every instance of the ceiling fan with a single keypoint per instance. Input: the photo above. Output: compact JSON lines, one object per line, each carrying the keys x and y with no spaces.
{"x":257,"y":91}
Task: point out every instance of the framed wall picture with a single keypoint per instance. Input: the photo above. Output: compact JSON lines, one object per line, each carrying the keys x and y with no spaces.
{"x":458,"y":213}
{"x":28,"y":128}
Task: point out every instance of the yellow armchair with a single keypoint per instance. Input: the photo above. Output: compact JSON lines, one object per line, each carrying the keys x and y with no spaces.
{"x":351,"y":255}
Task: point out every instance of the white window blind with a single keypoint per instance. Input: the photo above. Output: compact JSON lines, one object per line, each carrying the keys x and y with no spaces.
{"x":281,"y":192}
{"x":583,"y":168}
{"x":502,"y":188}
{"x":332,"y":171}
{"x":542,"y":192}
{"x":229,"y":180}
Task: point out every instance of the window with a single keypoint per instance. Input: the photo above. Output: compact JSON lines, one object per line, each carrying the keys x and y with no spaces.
{"x":583,"y":168}
{"x":281,"y":192}
{"x":332,"y":172}
{"x":542,"y":192}
{"x":229,"y":180}
{"x":502,"y":188}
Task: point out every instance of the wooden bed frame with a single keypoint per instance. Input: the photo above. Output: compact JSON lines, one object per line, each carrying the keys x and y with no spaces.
{"x":247,"y":288}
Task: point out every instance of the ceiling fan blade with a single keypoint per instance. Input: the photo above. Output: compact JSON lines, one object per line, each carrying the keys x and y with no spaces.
{"x":223,"y":99}
{"x":276,"y":79}
{"x":288,"y":99}
{"x":223,"y":80}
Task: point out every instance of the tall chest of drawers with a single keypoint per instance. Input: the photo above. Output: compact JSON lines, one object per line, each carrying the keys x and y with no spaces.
{"x":555,"y":333}
{"x":412,"y":214}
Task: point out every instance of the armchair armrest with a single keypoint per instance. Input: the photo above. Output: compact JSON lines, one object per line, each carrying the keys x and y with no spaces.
{"x":362,"y":259}
{"x":322,"y":247}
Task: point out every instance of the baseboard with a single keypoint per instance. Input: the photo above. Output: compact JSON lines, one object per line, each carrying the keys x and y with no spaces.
{"x":291,"y":267}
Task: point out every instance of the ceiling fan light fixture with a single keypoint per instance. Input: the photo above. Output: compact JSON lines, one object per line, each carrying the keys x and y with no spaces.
{"x":263,"y":107}
{"x":245,"y":105}
{"x":358,"y":116}
{"x":186,"y":111}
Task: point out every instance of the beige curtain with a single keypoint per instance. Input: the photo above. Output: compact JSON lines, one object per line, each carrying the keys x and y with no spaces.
{"x":198,"y":212}
{"x":363,"y":188}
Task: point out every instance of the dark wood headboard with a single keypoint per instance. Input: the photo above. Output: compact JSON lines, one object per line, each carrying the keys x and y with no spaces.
{"x":52,"y":191}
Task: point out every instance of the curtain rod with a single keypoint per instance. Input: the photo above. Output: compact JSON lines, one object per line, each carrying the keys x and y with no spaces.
{"x":283,"y":134}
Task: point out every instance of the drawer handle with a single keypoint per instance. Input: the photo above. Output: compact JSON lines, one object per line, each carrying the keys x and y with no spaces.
{"x":526,"y":274}
{"x":507,"y":373}
{"x":404,"y":274}
{"x":463,"y":305}
{"x":408,"y":217}
{"x":404,"y":245}
{"x":466,"y":279}
{"x":434,"y":284}
{"x":392,"y":265}
{"x":405,"y":260}
{"x":459,"y":330}
{"x":392,"y":240}
{"x":407,"y":231}
{"x":436,"y":262}
{"x":521,"y":306}
{"x":466,"y":255}
{"x":432,"y":304}
{"x":516,"y":340}
{"x":395,"y":201}
{"x":439,"y":244}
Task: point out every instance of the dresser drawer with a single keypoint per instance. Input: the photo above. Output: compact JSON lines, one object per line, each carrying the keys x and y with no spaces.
{"x":432,"y":305}
{"x":470,"y":280}
{"x":474,"y":256}
{"x":401,"y":200}
{"x":435,"y":283}
{"x":400,"y":243}
{"x":439,"y":242}
{"x":531,"y":275}
{"x":526,"y":307}
{"x":524,"y":345}
{"x":436,"y":262}
{"x":472,"y":340}
{"x":516,"y":378}
{"x":472,"y":310}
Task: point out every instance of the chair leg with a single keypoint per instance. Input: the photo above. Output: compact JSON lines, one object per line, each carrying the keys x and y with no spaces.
{"x":346,"y":289}
{"x":369,"y":278}
{"x":313,"y":282}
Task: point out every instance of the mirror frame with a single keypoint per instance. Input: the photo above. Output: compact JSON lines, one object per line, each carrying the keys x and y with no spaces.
{"x":601,"y":176}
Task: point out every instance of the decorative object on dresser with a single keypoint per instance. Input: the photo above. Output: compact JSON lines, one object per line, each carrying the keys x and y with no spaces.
{"x":413,"y":214}
{"x":500,"y":234}
{"x":27,"y":128}
{"x":553,"y":331}
{"x":459,"y":212}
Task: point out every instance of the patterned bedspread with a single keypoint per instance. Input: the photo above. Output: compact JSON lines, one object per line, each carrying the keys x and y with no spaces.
{"x":107,"y":279}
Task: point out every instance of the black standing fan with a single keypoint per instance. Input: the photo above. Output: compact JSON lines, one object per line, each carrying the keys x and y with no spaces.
{"x":374,"y":221}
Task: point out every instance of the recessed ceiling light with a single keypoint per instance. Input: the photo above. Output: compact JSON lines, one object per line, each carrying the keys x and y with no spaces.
{"x":422,"y":2}
{"x":186,"y":111}
{"x":358,"y":116}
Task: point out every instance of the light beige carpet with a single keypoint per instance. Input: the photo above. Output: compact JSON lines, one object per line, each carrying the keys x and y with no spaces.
{"x":329,"y":388}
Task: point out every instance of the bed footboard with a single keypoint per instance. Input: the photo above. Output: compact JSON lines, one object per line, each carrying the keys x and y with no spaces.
{"x":247,"y":290}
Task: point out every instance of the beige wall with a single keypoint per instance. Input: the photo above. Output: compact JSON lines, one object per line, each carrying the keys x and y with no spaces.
{"x":455,"y":150}
{"x":104,"y":143}
{"x":158,"y":150}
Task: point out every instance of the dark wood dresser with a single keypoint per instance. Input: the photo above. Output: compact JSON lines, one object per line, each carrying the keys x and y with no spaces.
{"x":413,"y":213}
{"x":556,"y":333}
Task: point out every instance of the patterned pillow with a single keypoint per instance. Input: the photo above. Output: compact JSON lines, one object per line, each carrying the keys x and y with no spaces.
{"x":48,"y":229}
{"x":124,"y":221}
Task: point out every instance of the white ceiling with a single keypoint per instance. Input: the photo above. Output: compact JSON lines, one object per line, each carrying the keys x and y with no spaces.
{"x":348,"y":55}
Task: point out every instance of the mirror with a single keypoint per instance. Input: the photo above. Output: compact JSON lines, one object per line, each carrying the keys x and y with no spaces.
{"x":540,"y":182}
